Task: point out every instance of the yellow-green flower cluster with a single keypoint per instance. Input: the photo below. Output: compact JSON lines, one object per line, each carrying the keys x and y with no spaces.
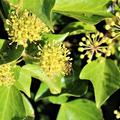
{"x":55,"y":59}
{"x":95,"y":44}
{"x":113,"y":24}
{"x":6,"y":76}
{"x":117,"y":113}
{"x":24,"y":26}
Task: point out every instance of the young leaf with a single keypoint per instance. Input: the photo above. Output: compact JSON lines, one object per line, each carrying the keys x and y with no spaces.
{"x":58,"y":99}
{"x":1,"y":42}
{"x":28,"y":108}
{"x":12,"y":107}
{"x":105,"y":78}
{"x":80,"y":109}
{"x":42,"y":89}
{"x":56,"y":37}
{"x":91,"y":11}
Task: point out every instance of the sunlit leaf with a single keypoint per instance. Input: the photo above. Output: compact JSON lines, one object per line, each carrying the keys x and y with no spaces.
{"x":91,"y":11}
{"x":105,"y":78}
{"x":12,"y":107}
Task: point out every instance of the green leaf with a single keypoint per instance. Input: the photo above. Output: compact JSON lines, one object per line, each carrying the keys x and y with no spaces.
{"x":4,"y":8}
{"x":1,"y":42}
{"x":28,"y":108}
{"x":105,"y":78}
{"x":36,"y":72}
{"x":42,"y":89}
{"x":55,"y":37}
{"x":42,"y":8}
{"x":23,"y":80}
{"x":14,"y":1}
{"x":58,"y":99}
{"x":80,"y":109}
{"x":91,"y":11}
{"x":75,"y":88}
{"x":10,"y":53}
{"x":11,"y":107}
{"x":75,"y":28}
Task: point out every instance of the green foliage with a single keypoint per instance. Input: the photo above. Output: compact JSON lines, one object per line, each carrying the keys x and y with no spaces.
{"x":10,"y":53}
{"x":41,"y":8}
{"x":78,"y":27}
{"x":79,"y":109}
{"x":91,"y":11}
{"x":73,"y":25}
{"x":105,"y":78}
{"x":11,"y":104}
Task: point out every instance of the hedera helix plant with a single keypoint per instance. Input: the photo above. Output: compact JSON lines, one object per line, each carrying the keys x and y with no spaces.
{"x":49,"y":49}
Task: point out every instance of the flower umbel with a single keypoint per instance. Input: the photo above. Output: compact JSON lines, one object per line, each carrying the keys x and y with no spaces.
{"x":24,"y":26}
{"x":95,"y":45}
{"x":55,"y":59}
{"x":6,"y":76}
{"x":113,"y":24}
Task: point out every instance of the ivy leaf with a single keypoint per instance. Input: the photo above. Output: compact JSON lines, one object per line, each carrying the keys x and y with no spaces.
{"x":23,"y":80}
{"x":28,"y":108}
{"x":42,"y":89}
{"x":55,"y":37}
{"x":105,"y":78}
{"x":36,"y":72}
{"x":91,"y":11}
{"x":42,"y":8}
{"x":1,"y":42}
{"x":10,"y":53}
{"x":58,"y":99}
{"x":12,"y":107}
{"x":80,"y":109}
{"x":75,"y":28}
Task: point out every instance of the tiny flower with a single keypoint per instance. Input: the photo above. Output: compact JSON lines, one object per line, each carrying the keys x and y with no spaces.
{"x":95,"y":45}
{"x":55,"y":59}
{"x":113,"y":24}
{"x":6,"y":76}
{"x":23,"y":27}
{"x":117,"y":113}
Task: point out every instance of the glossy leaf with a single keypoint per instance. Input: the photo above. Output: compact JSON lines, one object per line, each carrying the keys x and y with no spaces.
{"x":75,"y":88}
{"x":91,"y":11}
{"x":75,"y":28}
{"x":12,"y":107}
{"x":37,"y":72}
{"x":55,"y":37}
{"x":42,"y":8}
{"x":58,"y":99}
{"x":42,"y":89}
{"x":80,"y":109}
{"x":105,"y":78}
{"x":10,"y":53}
